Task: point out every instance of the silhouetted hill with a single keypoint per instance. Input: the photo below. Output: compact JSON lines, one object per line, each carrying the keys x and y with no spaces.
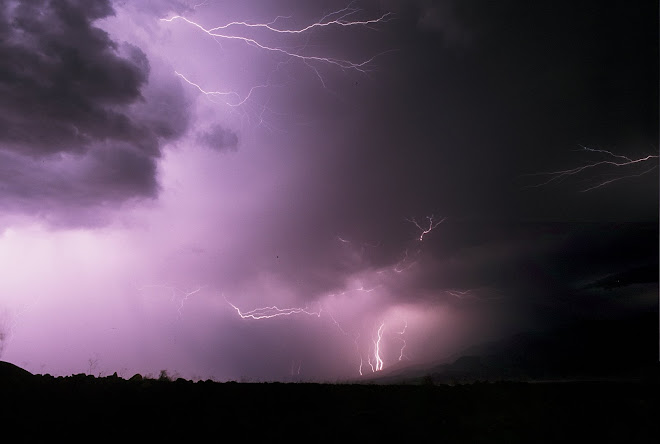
{"x":12,"y":374}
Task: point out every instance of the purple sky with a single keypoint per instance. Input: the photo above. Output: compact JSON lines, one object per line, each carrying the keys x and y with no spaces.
{"x":152,"y":175}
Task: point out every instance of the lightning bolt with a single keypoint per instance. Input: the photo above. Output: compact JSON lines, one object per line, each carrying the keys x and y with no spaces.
{"x":355,"y":339}
{"x":369,"y":361}
{"x":607,"y":182}
{"x":357,"y":348}
{"x":474,"y":294}
{"x":261,"y":37}
{"x":185,"y":298}
{"x":273,"y":311}
{"x":225,"y":95}
{"x":325,"y":21}
{"x":375,"y":344}
{"x":400,"y":267}
{"x":432,"y":225}
{"x":337,"y":18}
{"x":616,"y":161}
{"x":401,"y":333}
{"x":293,"y":367}
{"x":377,"y":358}
{"x":175,"y":292}
{"x":341,"y":18}
{"x":342,"y":240}
{"x":270,"y":312}
{"x":204,"y":3}
{"x":14,"y":323}
{"x":460,"y":294}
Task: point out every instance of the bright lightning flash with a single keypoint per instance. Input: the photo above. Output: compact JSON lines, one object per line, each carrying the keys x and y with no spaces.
{"x":375,"y":353}
{"x":231,"y":31}
{"x":431,"y":226}
{"x":377,"y":357}
{"x":273,"y":312}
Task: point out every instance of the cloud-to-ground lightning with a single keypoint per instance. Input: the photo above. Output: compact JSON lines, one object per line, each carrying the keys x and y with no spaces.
{"x":355,"y":339}
{"x":381,"y":337}
{"x":377,"y":358}
{"x":378,"y":362}
{"x":614,"y":162}
{"x":374,"y":354}
{"x":270,"y":312}
{"x":402,"y":339}
{"x":295,"y":371}
{"x":431,"y":226}
{"x":357,"y":348}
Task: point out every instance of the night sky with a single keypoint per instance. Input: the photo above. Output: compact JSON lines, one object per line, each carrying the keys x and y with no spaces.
{"x":436,"y":174}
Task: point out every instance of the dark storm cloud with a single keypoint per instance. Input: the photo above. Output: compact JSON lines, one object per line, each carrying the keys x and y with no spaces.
{"x":534,"y":83}
{"x":159,"y":8}
{"x":62,"y":77}
{"x":543,"y":272}
{"x":440,"y":16}
{"x":70,"y":190}
{"x":66,"y":88}
{"x":449,"y":129}
{"x":638,"y":275}
{"x":123,"y":170}
{"x":219,"y":138}
{"x":143,"y":13}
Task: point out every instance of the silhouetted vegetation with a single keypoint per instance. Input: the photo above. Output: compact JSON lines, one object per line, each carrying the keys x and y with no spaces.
{"x":39,"y":407}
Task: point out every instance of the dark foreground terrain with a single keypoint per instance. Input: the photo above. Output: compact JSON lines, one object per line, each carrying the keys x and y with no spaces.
{"x":81,"y":407}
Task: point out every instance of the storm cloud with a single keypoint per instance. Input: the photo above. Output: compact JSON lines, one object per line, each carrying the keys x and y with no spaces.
{"x":219,"y":138}
{"x":83,"y":122}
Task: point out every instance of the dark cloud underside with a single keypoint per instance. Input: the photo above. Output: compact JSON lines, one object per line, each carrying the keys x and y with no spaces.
{"x":219,"y":138}
{"x":66,"y":88}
